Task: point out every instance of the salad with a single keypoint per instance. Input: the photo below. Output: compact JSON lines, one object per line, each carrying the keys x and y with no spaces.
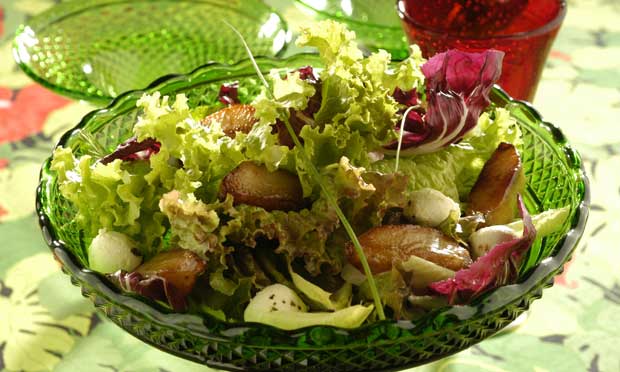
{"x":344,"y":193}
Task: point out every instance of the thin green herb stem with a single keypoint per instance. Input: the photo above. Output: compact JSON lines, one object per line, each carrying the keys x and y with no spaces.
{"x":317,"y":178}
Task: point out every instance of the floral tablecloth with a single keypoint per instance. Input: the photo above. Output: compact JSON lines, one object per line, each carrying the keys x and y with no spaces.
{"x":46,"y":325}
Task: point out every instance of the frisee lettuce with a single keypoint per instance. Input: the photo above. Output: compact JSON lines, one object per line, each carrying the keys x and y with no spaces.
{"x":116,"y":196}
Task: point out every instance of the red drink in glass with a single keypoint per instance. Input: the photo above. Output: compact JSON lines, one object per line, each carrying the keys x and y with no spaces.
{"x":523,"y":29}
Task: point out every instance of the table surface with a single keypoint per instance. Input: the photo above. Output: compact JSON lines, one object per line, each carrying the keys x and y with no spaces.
{"x":46,"y":325}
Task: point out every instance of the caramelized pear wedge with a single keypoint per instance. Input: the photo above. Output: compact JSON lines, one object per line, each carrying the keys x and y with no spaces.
{"x":254,"y":184}
{"x":495,"y":192}
{"x":179,"y":267}
{"x":388,"y":246}
{"x":233,"y":119}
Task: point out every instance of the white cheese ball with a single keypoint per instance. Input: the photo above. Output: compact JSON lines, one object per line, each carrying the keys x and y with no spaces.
{"x":486,"y":238}
{"x":111,"y":251}
{"x":430,"y":207}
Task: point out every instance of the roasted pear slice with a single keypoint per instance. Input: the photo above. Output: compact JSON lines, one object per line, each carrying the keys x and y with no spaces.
{"x":495,"y":192}
{"x":179,"y":267}
{"x":233,"y":119}
{"x":387,"y":246}
{"x":254,"y":184}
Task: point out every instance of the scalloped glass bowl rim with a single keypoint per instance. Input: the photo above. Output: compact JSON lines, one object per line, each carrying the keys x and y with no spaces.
{"x":493,"y":300}
{"x":102,"y":99}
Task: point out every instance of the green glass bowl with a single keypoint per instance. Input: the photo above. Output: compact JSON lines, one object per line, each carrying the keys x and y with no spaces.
{"x":376,"y":23}
{"x":555,"y":179}
{"x":97,"y":49}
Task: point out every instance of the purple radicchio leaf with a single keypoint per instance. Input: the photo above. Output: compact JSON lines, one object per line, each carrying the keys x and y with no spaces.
{"x":407,"y":98}
{"x":499,"y":266}
{"x":229,"y":93}
{"x":299,"y":119}
{"x":457,"y":89}
{"x":314,"y":103}
{"x":154,"y":287}
{"x":414,"y":131}
{"x":307,"y":73}
{"x":132,"y":149}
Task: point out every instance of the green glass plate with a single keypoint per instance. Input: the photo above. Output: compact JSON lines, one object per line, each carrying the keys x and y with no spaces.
{"x":376,"y":23}
{"x":97,"y":49}
{"x":555,"y":179}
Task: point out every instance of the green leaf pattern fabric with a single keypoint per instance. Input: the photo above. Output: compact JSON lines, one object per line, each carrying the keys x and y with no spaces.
{"x":31,"y":338}
{"x":45,"y":324}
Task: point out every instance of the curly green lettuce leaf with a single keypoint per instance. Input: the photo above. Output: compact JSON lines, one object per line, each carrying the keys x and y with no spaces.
{"x":383,"y":206}
{"x":406,"y":75}
{"x":334,"y":42}
{"x":289,"y":92}
{"x":205,"y":152}
{"x":262,"y":146}
{"x":191,"y":222}
{"x":347,"y":179}
{"x":124,"y":196}
{"x":326,"y":147}
{"x":192,"y":158}
{"x":361,"y":112}
{"x":341,"y":56}
{"x":303,"y":234}
{"x":115,"y":196}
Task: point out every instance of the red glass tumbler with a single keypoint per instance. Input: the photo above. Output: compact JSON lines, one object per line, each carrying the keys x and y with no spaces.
{"x":523,"y":29}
